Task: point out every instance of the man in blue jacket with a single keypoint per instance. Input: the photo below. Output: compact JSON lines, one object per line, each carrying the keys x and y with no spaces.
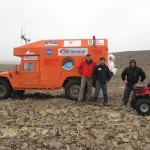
{"x":101,"y":75}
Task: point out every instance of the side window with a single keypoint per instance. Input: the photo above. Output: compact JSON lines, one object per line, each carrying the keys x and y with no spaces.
{"x":28,"y":67}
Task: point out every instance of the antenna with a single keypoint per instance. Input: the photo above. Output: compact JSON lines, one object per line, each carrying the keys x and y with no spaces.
{"x":23,"y":37}
{"x":94,"y":41}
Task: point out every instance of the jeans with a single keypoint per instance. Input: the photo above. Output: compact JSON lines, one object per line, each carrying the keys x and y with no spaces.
{"x":98,"y":87}
{"x":85,"y":82}
{"x":127,"y":92}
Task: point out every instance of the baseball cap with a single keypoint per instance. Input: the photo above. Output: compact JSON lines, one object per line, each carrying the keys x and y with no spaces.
{"x":132,"y":61}
{"x":88,"y":55}
{"x":102,"y":58}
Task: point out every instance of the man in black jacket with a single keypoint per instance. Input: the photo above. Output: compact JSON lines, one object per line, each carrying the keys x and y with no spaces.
{"x":101,"y":75}
{"x":130,"y":76}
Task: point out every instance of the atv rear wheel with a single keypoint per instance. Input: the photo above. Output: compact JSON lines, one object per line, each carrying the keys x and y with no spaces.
{"x":5,"y":89}
{"x":72,"y":89}
{"x":143,"y":107}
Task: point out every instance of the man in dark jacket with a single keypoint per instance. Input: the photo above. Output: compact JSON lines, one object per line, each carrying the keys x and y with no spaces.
{"x":101,"y":75}
{"x":86,"y":69}
{"x":130,"y":76}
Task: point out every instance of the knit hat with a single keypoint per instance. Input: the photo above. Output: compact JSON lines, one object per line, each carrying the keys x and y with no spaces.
{"x":132,"y":61}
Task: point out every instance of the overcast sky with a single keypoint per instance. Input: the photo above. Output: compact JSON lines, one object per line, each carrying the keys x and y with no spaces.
{"x":125,"y":23}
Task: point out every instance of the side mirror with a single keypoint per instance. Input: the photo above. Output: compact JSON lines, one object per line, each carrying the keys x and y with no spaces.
{"x":16,"y":68}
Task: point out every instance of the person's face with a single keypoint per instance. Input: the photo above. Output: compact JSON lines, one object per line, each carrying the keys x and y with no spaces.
{"x":132,"y":65}
{"x":88,"y":58}
{"x":102,"y":62}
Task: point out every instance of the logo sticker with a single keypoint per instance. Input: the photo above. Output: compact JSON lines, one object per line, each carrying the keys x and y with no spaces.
{"x":51,"y":42}
{"x":48,"y":52}
{"x":28,"y":52}
{"x":98,"y":42}
{"x":72,"y":51}
{"x":70,"y":43}
{"x":31,"y":58}
{"x":67,"y":63}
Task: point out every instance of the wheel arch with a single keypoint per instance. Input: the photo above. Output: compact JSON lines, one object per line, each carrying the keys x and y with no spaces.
{"x":7,"y":80}
{"x":70,"y":78}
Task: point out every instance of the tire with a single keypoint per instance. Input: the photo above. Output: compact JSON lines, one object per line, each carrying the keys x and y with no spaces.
{"x":72,"y":89}
{"x":143,"y":107}
{"x":133,"y":102}
{"x":5,"y":89}
{"x":18,"y":92}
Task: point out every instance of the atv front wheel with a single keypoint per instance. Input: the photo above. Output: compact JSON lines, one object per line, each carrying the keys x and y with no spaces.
{"x":133,"y":102}
{"x":143,"y":107}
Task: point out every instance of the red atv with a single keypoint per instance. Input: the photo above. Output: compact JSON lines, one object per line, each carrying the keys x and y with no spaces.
{"x":141,"y":99}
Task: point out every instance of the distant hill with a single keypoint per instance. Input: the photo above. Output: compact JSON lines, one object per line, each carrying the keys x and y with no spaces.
{"x":9,"y":62}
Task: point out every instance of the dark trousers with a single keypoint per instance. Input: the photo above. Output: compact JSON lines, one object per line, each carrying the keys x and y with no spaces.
{"x":127,"y":92}
{"x":98,"y":87}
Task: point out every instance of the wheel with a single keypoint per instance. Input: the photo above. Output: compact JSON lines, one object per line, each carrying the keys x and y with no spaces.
{"x":5,"y":89}
{"x":72,"y":89}
{"x":18,"y":92}
{"x":133,"y":102}
{"x":143,"y":107}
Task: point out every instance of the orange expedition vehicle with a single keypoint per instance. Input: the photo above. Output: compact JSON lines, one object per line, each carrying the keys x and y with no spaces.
{"x":51,"y":65}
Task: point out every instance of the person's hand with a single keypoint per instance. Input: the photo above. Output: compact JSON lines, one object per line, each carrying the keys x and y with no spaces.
{"x":139,"y":82}
{"x":125,"y":81}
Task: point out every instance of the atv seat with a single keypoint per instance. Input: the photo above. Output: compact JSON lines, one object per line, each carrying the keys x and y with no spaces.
{"x":139,"y":88}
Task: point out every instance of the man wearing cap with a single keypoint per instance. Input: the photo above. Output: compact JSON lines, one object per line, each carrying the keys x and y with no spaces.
{"x":131,"y":75}
{"x":101,"y":75}
{"x":85,"y":69}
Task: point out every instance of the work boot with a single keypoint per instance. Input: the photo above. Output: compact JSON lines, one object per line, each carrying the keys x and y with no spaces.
{"x":106,"y":104}
{"x":96,"y":104}
{"x":125,"y":104}
{"x":88,"y":101}
{"x":78,"y":103}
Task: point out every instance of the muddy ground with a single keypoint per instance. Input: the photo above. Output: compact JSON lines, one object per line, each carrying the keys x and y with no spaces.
{"x":46,"y":120}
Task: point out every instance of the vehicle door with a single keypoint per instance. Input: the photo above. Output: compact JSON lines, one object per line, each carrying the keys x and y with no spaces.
{"x":30,"y":74}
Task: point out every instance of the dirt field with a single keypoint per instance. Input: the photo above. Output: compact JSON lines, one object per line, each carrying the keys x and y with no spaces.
{"x":47,"y":120}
